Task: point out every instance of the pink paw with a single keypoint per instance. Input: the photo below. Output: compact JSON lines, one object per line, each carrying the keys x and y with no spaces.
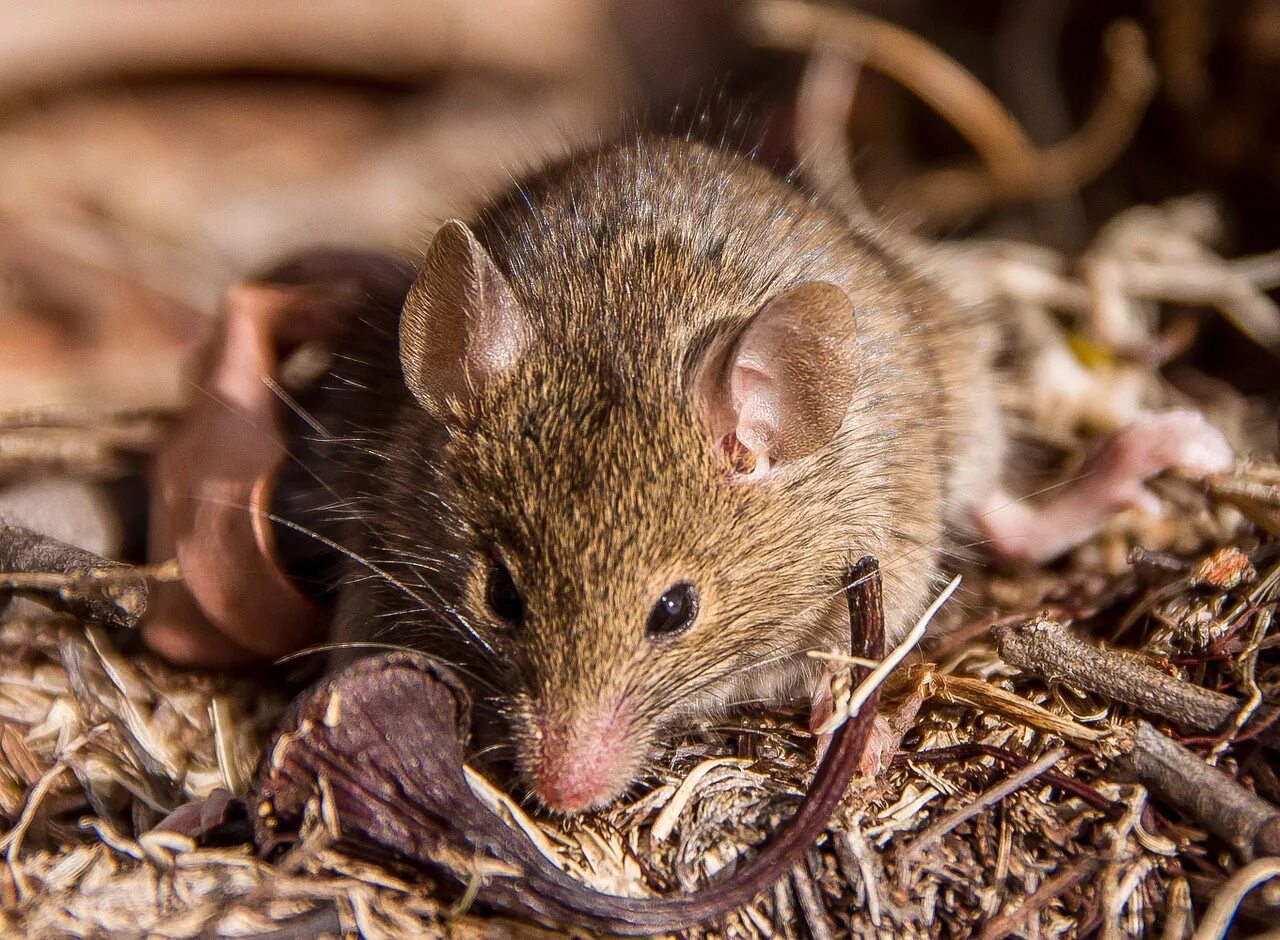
{"x":1179,"y":441}
{"x":1113,"y":479}
{"x":881,"y":745}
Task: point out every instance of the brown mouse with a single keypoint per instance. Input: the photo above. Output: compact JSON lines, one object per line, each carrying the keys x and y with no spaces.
{"x":646,"y":410}
{"x":617,"y":447}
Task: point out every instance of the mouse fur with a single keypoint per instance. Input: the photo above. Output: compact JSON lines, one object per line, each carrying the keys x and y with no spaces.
{"x":587,"y":465}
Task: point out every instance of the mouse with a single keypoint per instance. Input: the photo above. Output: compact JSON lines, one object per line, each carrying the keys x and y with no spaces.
{"x":610,"y":447}
{"x":629,"y":430}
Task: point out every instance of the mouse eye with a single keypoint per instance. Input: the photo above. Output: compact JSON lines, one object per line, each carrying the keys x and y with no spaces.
{"x":503,"y":596}
{"x":675,"y":611}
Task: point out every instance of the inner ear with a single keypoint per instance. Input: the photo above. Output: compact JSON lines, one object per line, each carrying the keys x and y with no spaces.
{"x":461,"y":326}
{"x":782,"y":389}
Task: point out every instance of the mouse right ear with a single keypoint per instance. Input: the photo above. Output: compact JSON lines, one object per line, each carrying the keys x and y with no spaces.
{"x":782,"y":390}
{"x":461,"y":325}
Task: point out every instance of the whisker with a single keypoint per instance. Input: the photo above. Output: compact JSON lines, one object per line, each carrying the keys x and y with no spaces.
{"x":293,"y":405}
{"x":371,"y":566}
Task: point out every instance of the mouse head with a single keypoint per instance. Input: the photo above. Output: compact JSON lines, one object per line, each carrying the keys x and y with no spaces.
{"x":631,"y":519}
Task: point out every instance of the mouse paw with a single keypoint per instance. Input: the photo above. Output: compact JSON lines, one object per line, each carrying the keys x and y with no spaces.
{"x":1113,"y":479}
{"x":1178,"y":441}
{"x":881,"y":745}
{"x":821,"y":707}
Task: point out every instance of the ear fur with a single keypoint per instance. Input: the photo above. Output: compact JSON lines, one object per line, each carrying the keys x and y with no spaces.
{"x":461,"y":326}
{"x":783,"y":388}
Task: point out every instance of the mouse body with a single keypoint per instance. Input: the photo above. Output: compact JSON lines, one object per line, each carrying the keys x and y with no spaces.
{"x":627,"y":434}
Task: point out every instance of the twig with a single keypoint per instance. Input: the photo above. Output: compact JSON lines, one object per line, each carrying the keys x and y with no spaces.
{"x":1013,"y":169}
{"x":810,"y":902}
{"x":1177,"y":911}
{"x":1063,"y":168}
{"x":665,"y":823}
{"x":859,"y":860}
{"x":1254,"y":489}
{"x":85,"y":455}
{"x":936,"y":78}
{"x":842,"y":711}
{"x":990,"y":797}
{"x":823,"y":102}
{"x":12,"y":842}
{"x":84,"y":583}
{"x":974,"y":749}
{"x":1084,"y":869}
{"x":978,"y":693}
{"x":1045,"y":648}
{"x":1247,"y":822}
{"x":1233,"y":891}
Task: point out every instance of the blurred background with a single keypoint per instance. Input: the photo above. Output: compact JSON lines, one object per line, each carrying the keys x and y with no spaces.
{"x":153,"y":151}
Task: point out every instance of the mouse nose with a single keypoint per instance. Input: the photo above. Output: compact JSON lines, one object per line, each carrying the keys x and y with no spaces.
{"x":584,"y":763}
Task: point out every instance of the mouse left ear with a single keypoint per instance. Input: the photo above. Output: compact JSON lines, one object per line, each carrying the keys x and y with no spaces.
{"x":782,"y":390}
{"x":461,"y":326}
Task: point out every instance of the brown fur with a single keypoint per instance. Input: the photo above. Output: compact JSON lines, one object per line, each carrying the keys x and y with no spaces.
{"x":589,"y":466}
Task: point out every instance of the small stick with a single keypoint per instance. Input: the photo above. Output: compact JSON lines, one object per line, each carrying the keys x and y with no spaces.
{"x":993,"y":795}
{"x":978,"y":693}
{"x":859,"y":860}
{"x":1045,"y":648}
{"x":972,"y":749}
{"x":86,"y":584}
{"x":1247,"y":822}
{"x":932,"y":75}
{"x":843,"y":711}
{"x":810,"y":901}
{"x":1013,"y":168}
{"x":1177,"y":911}
{"x":1053,"y":888}
{"x":68,"y":41}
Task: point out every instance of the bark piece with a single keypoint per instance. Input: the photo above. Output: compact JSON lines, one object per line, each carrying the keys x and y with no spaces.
{"x":1247,"y":822}
{"x":1045,"y":648}
{"x":88,"y":585}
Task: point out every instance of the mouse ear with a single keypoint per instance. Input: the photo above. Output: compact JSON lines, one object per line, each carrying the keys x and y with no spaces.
{"x":461,"y":325}
{"x":782,"y":390}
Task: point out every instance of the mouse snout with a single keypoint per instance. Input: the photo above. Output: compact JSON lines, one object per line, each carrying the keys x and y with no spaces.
{"x":581,"y":762}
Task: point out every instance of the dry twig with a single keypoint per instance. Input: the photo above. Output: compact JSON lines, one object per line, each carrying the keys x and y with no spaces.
{"x":1076,"y":874}
{"x":1011,"y":784}
{"x":1227,"y":901}
{"x":69,"y":41}
{"x":1247,"y":822}
{"x":1046,"y":649}
{"x":91,"y":586}
{"x":1013,"y":169}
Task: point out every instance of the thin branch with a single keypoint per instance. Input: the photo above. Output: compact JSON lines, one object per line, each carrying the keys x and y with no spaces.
{"x":928,"y":72}
{"x":1247,"y":822}
{"x":80,"y":581}
{"x":1080,"y":872}
{"x":63,"y":42}
{"x":1227,"y":901}
{"x":1011,"y":784}
{"x":1013,"y":169}
{"x":1045,"y":648}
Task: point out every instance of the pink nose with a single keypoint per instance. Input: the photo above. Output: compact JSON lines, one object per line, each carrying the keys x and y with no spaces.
{"x":583,"y":764}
